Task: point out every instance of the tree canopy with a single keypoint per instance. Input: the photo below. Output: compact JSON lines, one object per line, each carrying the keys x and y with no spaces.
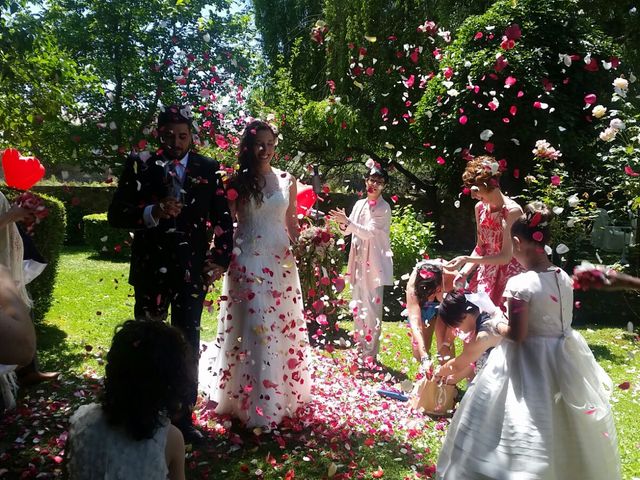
{"x":353,"y":78}
{"x":94,"y":73}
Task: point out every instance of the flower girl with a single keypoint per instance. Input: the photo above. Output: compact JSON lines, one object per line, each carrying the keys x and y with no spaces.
{"x":540,"y":408}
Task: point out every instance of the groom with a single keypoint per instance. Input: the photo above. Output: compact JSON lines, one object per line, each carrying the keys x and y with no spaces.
{"x":173,"y":200}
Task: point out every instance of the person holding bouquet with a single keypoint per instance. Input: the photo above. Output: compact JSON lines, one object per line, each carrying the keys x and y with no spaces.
{"x":599,"y":277}
{"x":257,"y":368}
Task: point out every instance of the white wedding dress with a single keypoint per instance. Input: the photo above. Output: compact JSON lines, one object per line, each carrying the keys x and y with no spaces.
{"x":257,"y":368}
{"x":539,"y":409}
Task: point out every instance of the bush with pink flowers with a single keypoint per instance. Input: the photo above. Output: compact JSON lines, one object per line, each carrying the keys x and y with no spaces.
{"x":520,"y":72}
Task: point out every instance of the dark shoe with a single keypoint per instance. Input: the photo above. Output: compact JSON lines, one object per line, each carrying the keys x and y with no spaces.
{"x":34,"y":377}
{"x":191,"y":434}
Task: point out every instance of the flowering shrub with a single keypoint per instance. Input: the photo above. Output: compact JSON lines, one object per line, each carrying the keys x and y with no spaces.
{"x":320,"y":264}
{"x":550,"y":184}
{"x":508,"y":79}
{"x":619,"y":140}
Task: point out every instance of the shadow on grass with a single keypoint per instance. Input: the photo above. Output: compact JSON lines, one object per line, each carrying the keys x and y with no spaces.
{"x":48,"y":406}
{"x":109,"y":258}
{"x":340,"y":339}
{"x":55,"y":351}
{"x":602,"y":352}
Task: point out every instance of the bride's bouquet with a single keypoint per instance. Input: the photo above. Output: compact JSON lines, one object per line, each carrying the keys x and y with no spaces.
{"x":319,"y":258}
{"x":320,"y":262}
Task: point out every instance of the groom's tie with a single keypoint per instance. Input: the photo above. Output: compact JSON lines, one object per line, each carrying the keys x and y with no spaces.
{"x":176,"y":173}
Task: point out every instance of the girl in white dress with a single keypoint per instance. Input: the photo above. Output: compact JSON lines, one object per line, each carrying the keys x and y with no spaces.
{"x":128,"y":435}
{"x":539,"y":409}
{"x":257,"y":368}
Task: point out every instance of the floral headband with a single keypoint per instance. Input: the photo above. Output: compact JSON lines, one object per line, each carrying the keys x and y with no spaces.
{"x":270,"y":122}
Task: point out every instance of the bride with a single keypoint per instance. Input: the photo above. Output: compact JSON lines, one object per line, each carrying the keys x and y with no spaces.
{"x":257,"y":367}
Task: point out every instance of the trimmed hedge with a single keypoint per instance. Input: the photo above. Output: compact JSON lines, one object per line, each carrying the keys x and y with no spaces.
{"x":48,"y":237}
{"x":79,"y":200}
{"x":104,"y":239}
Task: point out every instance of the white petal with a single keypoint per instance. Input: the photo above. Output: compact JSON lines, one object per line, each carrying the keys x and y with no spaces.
{"x":573,"y":200}
{"x":486,"y":135}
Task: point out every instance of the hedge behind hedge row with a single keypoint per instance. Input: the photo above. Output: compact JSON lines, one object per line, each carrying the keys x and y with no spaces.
{"x":79,"y":200}
{"x":48,"y":237}
{"x":104,"y":239}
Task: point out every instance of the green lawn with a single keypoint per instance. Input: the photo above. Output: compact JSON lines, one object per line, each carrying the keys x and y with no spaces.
{"x":92,"y":297}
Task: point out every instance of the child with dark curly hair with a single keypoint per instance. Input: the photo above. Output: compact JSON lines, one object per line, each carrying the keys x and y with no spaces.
{"x":492,"y":256}
{"x":472,"y":317}
{"x":540,"y":407}
{"x":129,"y":434}
{"x":425,"y":287}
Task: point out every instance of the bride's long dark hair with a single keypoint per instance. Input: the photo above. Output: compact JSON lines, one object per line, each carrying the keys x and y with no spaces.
{"x":247,"y":181}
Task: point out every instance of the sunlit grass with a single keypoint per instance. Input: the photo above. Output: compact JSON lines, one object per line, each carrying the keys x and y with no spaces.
{"x":92,"y":297}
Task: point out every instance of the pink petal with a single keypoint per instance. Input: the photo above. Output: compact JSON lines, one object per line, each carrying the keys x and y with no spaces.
{"x":221,"y":141}
{"x":232,"y":194}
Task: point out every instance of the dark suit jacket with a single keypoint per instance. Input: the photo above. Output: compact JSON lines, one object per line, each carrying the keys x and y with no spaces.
{"x":173,"y":253}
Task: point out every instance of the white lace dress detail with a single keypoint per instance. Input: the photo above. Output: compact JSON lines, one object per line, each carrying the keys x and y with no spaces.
{"x":257,"y":368}
{"x":11,"y":253}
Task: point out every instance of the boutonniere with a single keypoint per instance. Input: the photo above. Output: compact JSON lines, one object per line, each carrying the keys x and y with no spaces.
{"x":199,"y":180}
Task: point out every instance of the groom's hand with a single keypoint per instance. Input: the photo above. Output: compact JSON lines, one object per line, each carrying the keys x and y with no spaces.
{"x":168,"y":207}
{"x":212,"y":271}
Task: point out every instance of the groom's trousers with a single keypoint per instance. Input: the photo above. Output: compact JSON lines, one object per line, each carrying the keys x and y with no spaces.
{"x":152,"y":303}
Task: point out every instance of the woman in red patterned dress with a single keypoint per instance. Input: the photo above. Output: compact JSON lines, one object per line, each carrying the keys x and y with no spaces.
{"x":495,"y":213}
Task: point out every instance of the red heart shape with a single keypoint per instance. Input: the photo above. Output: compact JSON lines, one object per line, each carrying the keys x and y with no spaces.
{"x":21,"y":172}
{"x":305,"y":199}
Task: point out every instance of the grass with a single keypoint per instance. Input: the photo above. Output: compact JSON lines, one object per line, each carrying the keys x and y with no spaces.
{"x":372,"y":437}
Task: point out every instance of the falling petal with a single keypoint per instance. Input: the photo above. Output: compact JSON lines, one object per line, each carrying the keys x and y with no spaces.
{"x":485,"y":135}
